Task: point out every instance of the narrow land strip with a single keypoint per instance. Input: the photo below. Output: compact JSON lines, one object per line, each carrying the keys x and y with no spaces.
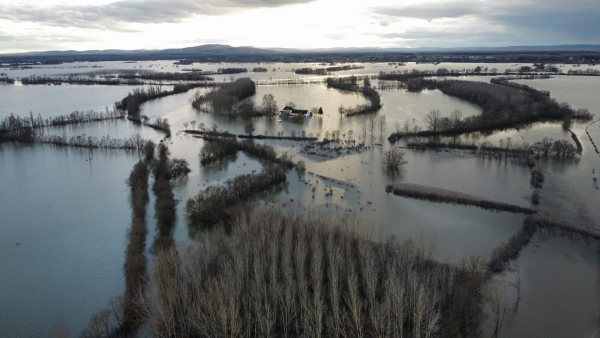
{"x":449,"y":196}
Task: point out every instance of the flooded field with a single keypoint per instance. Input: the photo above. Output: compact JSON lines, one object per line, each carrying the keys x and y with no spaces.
{"x":66,"y":216}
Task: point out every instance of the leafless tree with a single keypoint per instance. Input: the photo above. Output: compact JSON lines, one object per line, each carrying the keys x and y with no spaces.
{"x":433,"y":119}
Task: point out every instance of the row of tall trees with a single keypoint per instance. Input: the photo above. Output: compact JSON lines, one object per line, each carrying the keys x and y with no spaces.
{"x":14,"y":122}
{"x":165,"y":203}
{"x":135,"y":142}
{"x":286,"y":274}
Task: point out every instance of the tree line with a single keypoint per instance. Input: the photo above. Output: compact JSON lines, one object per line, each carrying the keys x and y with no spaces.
{"x":222,"y":100}
{"x":14,"y":122}
{"x":325,"y":71}
{"x":504,"y":105}
{"x":73,"y":79}
{"x":351,"y":84}
{"x":125,"y":314}
{"x":217,"y":148}
{"x":165,"y":170}
{"x":135,"y":259}
{"x":537,"y":70}
{"x":168,"y":76}
{"x":523,"y":151}
{"x":135,"y":142}
{"x":208,"y":207}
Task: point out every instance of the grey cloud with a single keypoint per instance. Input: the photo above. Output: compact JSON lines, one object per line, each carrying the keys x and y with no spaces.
{"x":429,"y":11}
{"x":523,"y":22}
{"x":112,"y":16}
{"x":479,"y":8}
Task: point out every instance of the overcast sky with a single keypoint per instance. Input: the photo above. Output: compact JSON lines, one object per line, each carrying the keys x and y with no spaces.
{"x":30,"y":25}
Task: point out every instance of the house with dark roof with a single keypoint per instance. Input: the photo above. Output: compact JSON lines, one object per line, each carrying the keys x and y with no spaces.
{"x":290,"y":111}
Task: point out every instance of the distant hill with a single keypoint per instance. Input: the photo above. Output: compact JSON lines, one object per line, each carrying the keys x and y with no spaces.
{"x":225,"y":53}
{"x":220,"y":50}
{"x":203,"y":50}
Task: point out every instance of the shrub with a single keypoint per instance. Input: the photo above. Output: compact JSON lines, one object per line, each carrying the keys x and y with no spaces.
{"x":178,"y":168}
{"x":393,"y":158}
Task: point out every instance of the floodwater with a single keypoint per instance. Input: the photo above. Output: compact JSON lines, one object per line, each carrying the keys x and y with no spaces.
{"x":65,"y":218}
{"x":560,"y":295}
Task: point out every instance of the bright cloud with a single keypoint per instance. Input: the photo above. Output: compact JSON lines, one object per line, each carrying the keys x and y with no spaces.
{"x":28,"y":25}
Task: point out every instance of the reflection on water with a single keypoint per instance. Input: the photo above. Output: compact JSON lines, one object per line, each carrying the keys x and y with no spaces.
{"x":560,"y":293}
{"x":64,"y":221}
{"x":50,"y":101}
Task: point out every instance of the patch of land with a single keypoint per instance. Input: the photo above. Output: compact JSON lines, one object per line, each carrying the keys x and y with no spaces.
{"x":449,"y":196}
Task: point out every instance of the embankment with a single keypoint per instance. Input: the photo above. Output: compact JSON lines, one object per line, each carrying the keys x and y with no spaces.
{"x":449,"y":196}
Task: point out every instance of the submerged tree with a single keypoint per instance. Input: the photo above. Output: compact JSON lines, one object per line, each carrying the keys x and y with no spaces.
{"x":393,"y":158}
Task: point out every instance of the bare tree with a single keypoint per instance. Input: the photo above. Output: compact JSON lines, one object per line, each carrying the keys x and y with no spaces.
{"x":382,"y":124}
{"x":455,"y":118}
{"x":249,"y":128}
{"x":495,"y":296}
{"x":397,"y":127}
{"x":433,"y":119}
{"x":517,"y":283}
{"x":364,"y":124}
{"x":269,"y":105}
{"x":372,"y":123}
{"x":393,"y":158}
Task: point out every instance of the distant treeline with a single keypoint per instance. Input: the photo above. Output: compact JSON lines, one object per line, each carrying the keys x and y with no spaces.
{"x":5,"y":79}
{"x":325,"y":71}
{"x":167,"y":76}
{"x":311,"y":71}
{"x":406,"y":74}
{"x":539,"y":71}
{"x":113,"y":75}
{"x":584,"y":72}
{"x":208,"y":207}
{"x":505,"y":105}
{"x":273,"y":137}
{"x":288,"y":82}
{"x":259,"y":70}
{"x":14,"y":122}
{"x":222,"y":100}
{"x":219,"y":70}
{"x":73,"y":79}
{"x":81,"y":141}
{"x":351,"y":84}
{"x":210,"y":132}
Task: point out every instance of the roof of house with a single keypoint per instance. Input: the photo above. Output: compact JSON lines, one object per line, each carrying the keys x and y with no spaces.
{"x":294,"y":110}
